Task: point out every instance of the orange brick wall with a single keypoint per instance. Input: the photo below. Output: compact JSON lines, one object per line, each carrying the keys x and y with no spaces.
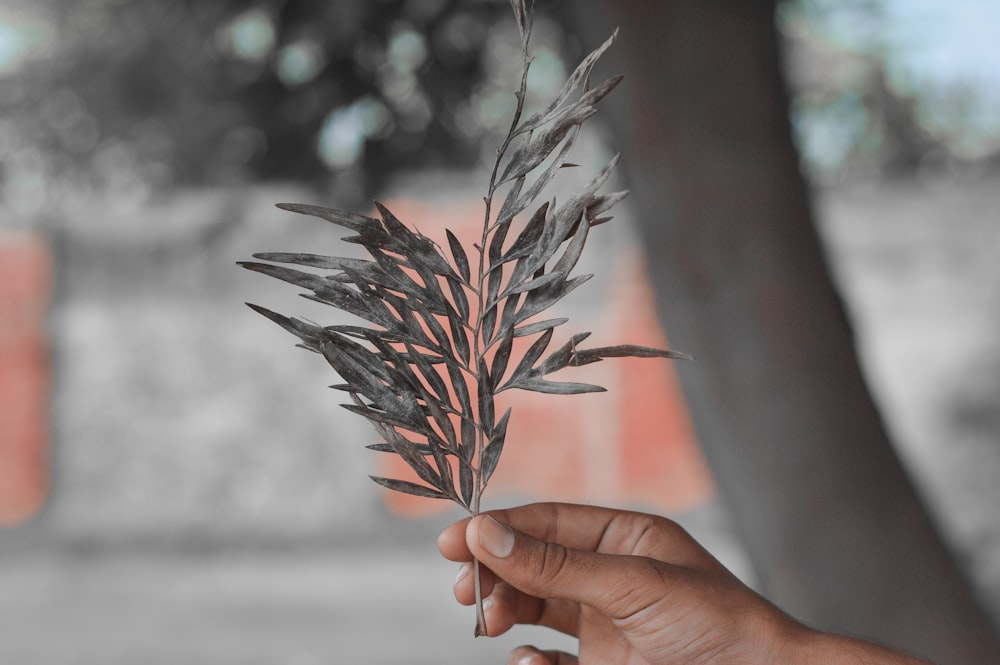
{"x":25,"y":276}
{"x":632,"y":445}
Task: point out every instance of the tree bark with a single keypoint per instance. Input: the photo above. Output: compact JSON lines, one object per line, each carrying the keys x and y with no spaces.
{"x":833,"y":525}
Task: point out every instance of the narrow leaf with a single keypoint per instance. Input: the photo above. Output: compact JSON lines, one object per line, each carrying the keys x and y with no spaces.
{"x":501,"y":358}
{"x":387,"y":448}
{"x":444,"y":467}
{"x":459,"y":297}
{"x":352,"y":221}
{"x":579,"y":76}
{"x":460,"y":257}
{"x":539,"y":326}
{"x":508,"y":316}
{"x":541,"y":181}
{"x":586,"y":356}
{"x":532,"y":355}
{"x":406,"y":487}
{"x":491,"y":454}
{"x":556,"y":387}
{"x":541,"y":299}
{"x":531,"y":284}
{"x":413,"y":457}
{"x":509,"y":208}
{"x":419,"y":249}
{"x":486,"y":414}
{"x":563,"y":356}
{"x":535,"y":151}
{"x":496,"y":243}
{"x":466,"y":480}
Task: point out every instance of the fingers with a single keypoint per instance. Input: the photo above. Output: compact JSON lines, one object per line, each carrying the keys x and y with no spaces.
{"x":593,"y":529}
{"x":528,"y":655}
{"x":617,"y":586}
{"x":506,"y":607}
{"x":559,"y":555}
{"x":451,"y":542}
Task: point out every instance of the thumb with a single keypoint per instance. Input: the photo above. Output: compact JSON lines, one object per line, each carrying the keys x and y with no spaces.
{"x":616,"y":585}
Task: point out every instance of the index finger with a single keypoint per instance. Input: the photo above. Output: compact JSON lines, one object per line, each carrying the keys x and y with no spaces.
{"x":593,"y":529}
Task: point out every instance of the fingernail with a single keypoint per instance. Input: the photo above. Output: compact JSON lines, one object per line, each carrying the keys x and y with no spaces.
{"x":496,"y":538}
{"x":531,"y":659}
{"x":463,"y":570}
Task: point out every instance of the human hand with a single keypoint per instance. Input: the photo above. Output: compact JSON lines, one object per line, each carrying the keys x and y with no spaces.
{"x":635,"y":589}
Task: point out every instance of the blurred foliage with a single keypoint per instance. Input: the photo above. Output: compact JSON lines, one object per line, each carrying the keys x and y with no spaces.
{"x":892,"y":87}
{"x":132,"y":96}
{"x":121,"y":99}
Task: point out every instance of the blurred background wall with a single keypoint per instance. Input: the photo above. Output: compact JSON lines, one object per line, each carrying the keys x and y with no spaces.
{"x":168,"y":460}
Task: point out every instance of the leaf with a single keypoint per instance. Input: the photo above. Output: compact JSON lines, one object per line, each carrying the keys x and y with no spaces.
{"x":357,"y":373}
{"x":311,"y":260}
{"x":528,"y":285}
{"x":538,"y":149}
{"x":461,"y":391}
{"x":496,"y":243}
{"x":466,"y":480}
{"x":531,"y":356}
{"x":574,"y":249}
{"x":521,"y":19}
{"x":426,"y":369}
{"x":489,"y":319}
{"x":442,"y":338}
{"x":563,"y":356}
{"x":538,"y":326}
{"x":508,"y":316}
{"x":444,"y":468}
{"x":568,"y":215}
{"x":443,"y":422}
{"x":486,"y":414}
{"x":509,"y":208}
{"x":541,"y":299}
{"x":586,"y":356}
{"x":380,"y":417}
{"x":327,"y":291}
{"x":420,"y":249}
{"x":406,"y":487}
{"x":459,"y":298}
{"x":458,"y":336}
{"x":311,"y":335}
{"x":491,"y":454}
{"x":500,"y":360}
{"x":357,"y":223}
{"x":415,"y":460}
{"x":579,"y":76}
{"x":386,"y":448}
{"x":514,"y":206}
{"x":405,"y":325}
{"x":460,"y":257}
{"x":540,"y":385}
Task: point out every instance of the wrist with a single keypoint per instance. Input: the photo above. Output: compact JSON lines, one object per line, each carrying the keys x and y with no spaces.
{"x":812,"y":647}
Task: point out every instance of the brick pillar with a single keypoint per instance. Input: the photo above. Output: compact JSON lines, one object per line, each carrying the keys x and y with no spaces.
{"x":630,"y":446}
{"x":25,"y":280}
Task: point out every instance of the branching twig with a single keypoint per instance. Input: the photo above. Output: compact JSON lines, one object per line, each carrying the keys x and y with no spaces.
{"x":438,"y":346}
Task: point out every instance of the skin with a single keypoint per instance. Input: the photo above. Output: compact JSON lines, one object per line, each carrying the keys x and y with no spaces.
{"x":635,"y":589}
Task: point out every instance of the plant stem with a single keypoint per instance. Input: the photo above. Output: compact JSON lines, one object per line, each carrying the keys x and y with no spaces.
{"x":480,"y":344}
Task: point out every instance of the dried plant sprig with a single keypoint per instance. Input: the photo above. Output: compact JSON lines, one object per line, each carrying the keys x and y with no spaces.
{"x":438,"y":347}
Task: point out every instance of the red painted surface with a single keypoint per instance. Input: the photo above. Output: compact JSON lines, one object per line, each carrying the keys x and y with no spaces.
{"x":632,"y":445}
{"x":25,"y":279}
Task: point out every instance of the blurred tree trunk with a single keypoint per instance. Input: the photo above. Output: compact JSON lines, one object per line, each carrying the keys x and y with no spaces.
{"x":837,"y":533}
